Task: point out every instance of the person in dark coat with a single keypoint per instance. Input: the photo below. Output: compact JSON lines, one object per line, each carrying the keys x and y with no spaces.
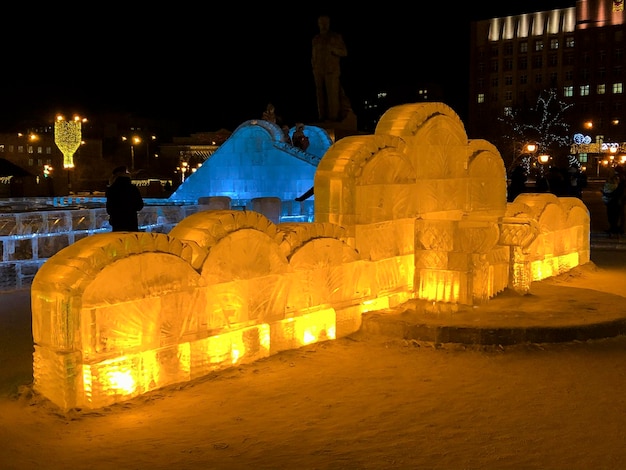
{"x":299,"y":138}
{"x":123,"y":201}
{"x":517,"y":185}
{"x":613,"y":196}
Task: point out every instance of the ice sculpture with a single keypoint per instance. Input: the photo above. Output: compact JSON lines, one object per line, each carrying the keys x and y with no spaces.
{"x":256,"y":161}
{"x":414,"y":211}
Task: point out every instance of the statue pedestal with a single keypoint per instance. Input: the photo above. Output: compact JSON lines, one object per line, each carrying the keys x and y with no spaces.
{"x":340,"y":129}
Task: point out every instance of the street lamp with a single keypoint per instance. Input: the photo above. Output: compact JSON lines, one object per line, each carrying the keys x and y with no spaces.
{"x":134,"y":140}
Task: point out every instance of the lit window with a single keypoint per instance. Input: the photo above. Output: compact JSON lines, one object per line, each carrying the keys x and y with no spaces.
{"x":568,"y":91}
{"x":481,"y":98}
{"x":539,"y":45}
{"x":601,"y":89}
{"x":554,"y":43}
{"x":569,"y":41}
{"x":618,"y":88}
{"x":584,"y":90}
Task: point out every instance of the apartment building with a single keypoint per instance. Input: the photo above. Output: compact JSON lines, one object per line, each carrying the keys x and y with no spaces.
{"x":579,"y":52}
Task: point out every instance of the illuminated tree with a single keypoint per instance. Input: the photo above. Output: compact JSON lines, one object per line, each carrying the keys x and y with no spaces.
{"x":542,"y":124}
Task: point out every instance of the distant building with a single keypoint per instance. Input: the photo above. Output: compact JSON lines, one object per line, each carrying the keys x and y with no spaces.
{"x":578,"y":51}
{"x":375,"y":106}
{"x":37,"y":154}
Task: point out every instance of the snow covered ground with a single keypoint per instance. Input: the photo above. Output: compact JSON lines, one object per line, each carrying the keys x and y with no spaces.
{"x":359,"y":402}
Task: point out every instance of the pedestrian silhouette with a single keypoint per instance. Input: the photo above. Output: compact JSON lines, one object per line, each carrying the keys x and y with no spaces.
{"x":123,"y":201}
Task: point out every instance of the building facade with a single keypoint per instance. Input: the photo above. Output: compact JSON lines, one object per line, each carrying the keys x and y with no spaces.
{"x":579,"y":52}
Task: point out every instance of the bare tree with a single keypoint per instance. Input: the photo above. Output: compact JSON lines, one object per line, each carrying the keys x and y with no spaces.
{"x":543,"y":124}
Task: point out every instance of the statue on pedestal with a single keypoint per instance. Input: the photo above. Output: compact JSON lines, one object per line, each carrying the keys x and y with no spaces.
{"x":328,"y":49}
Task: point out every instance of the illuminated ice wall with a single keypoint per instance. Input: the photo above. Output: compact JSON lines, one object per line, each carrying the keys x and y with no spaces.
{"x":416,"y":210}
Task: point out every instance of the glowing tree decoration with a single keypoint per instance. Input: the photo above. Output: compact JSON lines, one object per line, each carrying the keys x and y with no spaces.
{"x":67,"y":136}
{"x":543,"y":123}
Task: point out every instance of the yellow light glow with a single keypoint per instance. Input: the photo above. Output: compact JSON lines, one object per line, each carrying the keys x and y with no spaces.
{"x":67,"y":136}
{"x":237,"y":352}
{"x":121,"y":381}
{"x":309,"y":337}
{"x":544,"y":158}
{"x":439,"y":285}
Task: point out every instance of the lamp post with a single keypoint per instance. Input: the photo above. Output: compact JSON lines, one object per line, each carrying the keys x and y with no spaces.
{"x":542,"y":184}
{"x":134,"y":140}
{"x":543,"y":159}
{"x":152,"y":137}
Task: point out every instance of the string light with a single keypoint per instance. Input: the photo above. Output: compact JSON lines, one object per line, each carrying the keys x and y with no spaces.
{"x":67,"y":136}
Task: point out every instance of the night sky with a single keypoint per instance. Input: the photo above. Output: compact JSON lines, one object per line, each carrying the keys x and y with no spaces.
{"x":216,"y":69}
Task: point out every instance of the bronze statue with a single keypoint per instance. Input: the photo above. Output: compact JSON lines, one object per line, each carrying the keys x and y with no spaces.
{"x":328,"y":49}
